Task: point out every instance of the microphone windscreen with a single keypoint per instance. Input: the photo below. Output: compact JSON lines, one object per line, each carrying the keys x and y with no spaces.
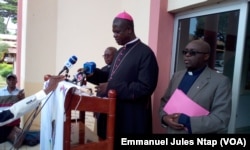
{"x":72,"y":60}
{"x":89,"y":67}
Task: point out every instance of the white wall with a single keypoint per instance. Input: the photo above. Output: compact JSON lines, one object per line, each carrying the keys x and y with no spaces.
{"x":85,"y":28}
{"x":56,"y":30}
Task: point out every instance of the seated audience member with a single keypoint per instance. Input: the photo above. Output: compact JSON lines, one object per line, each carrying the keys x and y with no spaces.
{"x":9,"y":95}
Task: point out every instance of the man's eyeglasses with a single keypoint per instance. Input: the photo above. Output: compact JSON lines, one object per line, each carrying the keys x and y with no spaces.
{"x":192,"y":52}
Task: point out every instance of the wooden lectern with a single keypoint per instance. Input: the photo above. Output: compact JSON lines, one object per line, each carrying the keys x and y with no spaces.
{"x":91,"y":104}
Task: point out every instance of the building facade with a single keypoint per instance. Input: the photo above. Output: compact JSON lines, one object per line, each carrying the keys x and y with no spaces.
{"x":47,"y":38}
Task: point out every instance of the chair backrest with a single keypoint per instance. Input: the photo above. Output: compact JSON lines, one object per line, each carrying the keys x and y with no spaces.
{"x":90,"y":104}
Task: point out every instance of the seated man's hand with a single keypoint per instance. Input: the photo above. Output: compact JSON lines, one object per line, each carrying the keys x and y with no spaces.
{"x":172,"y":121}
{"x":21,"y":94}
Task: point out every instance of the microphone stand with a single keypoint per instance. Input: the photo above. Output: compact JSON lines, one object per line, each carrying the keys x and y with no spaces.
{"x":67,"y":75}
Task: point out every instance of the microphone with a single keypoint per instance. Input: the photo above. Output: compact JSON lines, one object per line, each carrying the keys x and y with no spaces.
{"x":72,"y":60}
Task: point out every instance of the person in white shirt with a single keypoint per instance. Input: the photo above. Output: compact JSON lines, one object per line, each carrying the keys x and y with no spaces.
{"x":28,"y":104}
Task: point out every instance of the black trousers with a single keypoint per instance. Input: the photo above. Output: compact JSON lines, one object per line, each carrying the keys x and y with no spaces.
{"x":102,"y":125}
{"x":4,"y":133}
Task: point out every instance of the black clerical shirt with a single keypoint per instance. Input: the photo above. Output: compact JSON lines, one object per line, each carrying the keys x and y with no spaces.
{"x":188,"y":79}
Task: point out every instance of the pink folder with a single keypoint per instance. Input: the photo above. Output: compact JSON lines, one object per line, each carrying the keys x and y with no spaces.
{"x":179,"y":102}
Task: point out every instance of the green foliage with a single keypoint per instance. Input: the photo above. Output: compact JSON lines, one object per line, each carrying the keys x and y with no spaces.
{"x":3,"y":49}
{"x":2,"y":25}
{"x":5,"y":69}
{"x":8,"y":9}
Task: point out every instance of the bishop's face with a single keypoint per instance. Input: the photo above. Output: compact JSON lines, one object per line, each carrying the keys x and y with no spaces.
{"x":121,"y":31}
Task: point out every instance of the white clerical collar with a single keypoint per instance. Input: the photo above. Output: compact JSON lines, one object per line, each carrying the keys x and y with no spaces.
{"x":136,"y":39}
{"x":190,"y":73}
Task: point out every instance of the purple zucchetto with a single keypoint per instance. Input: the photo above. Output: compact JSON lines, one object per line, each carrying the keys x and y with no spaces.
{"x":124,"y":15}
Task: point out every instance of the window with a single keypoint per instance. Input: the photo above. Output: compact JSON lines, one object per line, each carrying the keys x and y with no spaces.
{"x":219,"y":30}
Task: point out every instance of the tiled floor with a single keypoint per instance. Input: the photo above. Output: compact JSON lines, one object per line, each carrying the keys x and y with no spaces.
{"x":91,"y":135}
